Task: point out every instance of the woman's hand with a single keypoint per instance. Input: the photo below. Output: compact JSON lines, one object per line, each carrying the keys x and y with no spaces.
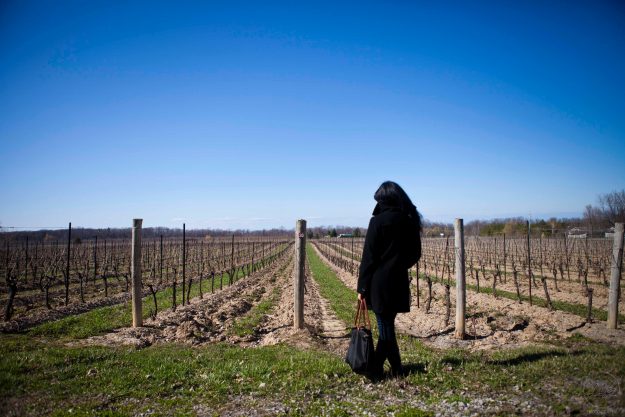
{"x":360,"y":297}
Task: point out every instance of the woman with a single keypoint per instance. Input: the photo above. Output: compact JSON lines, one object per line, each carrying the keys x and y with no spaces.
{"x":392,"y":246}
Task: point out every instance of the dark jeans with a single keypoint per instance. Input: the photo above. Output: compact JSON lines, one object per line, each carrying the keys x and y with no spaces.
{"x":387,"y":342}
{"x":386,"y":326}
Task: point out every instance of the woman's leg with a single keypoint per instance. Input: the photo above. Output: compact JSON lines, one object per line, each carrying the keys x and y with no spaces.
{"x":387,"y":342}
{"x":393,"y":356}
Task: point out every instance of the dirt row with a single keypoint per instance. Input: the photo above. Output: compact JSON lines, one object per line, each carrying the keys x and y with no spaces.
{"x":213,"y":318}
{"x":322,"y":329}
{"x":203,"y":320}
{"x":493,"y":323}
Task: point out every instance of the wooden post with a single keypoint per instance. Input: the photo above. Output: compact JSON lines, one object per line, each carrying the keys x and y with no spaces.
{"x":460,"y":278}
{"x":69,"y":250}
{"x":589,"y":292}
{"x":95,"y":259}
{"x":505,"y":270}
{"x":300,"y":262}
{"x":529,"y":260}
{"x":137,"y":310}
{"x":26,"y":261}
{"x":352,"y":268}
{"x":615,"y":276}
{"x":232,"y":261}
{"x":184,"y":258}
{"x":160,"y":260}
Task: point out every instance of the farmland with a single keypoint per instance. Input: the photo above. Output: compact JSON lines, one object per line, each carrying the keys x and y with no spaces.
{"x":218,"y":336}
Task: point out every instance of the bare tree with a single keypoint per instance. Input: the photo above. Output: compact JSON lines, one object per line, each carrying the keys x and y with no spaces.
{"x":592,"y":218}
{"x":613,"y":206}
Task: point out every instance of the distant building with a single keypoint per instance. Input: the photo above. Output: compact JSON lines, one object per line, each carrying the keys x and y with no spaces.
{"x":346,"y":235}
{"x":577,"y":233}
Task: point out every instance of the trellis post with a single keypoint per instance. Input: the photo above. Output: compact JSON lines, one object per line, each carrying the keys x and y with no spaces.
{"x":460,"y":278}
{"x":615,"y":276}
{"x":137,"y":310}
{"x":300,"y":262}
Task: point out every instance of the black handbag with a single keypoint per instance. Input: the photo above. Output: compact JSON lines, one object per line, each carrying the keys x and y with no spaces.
{"x":360,"y":353}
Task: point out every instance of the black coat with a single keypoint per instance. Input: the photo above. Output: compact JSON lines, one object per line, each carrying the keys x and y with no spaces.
{"x":392,"y":246}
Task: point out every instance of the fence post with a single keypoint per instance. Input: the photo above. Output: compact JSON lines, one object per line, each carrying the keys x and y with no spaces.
{"x":184,"y":259}
{"x":95,"y":259}
{"x":460,"y":278}
{"x":69,"y":252}
{"x":615,"y":276}
{"x":529,"y":261}
{"x":300,"y":262}
{"x":232,"y":278}
{"x":137,"y":310}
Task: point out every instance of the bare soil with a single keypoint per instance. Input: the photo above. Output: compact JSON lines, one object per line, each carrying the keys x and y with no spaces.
{"x":203,"y":320}
{"x":211,"y":318}
{"x":494,"y":323}
{"x":322,"y":329}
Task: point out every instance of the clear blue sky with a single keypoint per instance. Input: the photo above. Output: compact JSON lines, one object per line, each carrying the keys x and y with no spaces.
{"x":230,"y":115}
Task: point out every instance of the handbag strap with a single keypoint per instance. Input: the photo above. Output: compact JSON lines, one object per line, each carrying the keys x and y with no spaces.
{"x":362,"y":315}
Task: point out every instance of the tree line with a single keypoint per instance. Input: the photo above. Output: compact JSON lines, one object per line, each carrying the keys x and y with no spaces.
{"x":594,"y":222}
{"x":79,"y":234}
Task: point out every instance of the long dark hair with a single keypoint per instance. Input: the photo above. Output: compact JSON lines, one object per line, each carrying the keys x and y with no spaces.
{"x":391,"y":194}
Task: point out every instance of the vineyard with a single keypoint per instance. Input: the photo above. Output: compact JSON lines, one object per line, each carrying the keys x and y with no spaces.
{"x":549,"y":286}
{"x":50,"y":280}
{"x":562,"y":269}
{"x":218,"y":334}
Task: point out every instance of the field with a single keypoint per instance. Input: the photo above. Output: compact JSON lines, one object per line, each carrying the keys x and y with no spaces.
{"x":218,"y":337}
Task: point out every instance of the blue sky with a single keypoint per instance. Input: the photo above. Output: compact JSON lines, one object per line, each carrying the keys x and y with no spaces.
{"x":251,"y":115}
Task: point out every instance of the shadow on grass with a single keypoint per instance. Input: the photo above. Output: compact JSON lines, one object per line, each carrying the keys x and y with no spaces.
{"x":414,"y":368}
{"x":532,"y":357}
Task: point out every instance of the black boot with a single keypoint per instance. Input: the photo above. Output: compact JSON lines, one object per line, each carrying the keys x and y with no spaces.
{"x":395,"y":359}
{"x":381,"y":353}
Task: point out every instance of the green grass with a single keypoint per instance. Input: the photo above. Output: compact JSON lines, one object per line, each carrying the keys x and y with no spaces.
{"x":247,"y":325}
{"x":342,"y":299}
{"x":105,"y":319}
{"x":51,"y":378}
{"x":546,"y":369}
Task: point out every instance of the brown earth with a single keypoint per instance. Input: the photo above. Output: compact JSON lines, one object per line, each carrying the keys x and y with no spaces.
{"x":322,"y":329}
{"x":211,"y":319}
{"x":204,"y":320}
{"x":493,"y":323}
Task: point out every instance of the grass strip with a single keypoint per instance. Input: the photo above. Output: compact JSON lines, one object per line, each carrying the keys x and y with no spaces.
{"x":246,"y":326}
{"x":343,"y":300}
{"x":48,"y":378}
